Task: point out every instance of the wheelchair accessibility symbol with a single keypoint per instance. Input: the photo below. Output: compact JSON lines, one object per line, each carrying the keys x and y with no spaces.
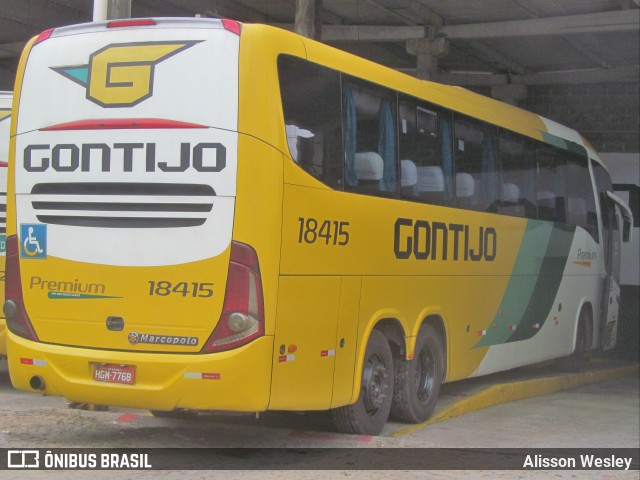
{"x":33,"y":240}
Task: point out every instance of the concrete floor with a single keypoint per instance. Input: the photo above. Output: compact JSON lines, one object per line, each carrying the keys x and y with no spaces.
{"x":597,"y":415}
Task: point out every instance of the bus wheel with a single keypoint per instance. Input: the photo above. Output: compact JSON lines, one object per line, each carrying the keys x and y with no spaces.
{"x":417,"y":382}
{"x":369,"y":414}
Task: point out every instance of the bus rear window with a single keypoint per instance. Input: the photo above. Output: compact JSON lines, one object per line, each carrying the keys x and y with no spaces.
{"x":311,"y":105}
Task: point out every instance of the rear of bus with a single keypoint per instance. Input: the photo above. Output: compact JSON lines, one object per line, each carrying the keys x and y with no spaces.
{"x":126,"y":282}
{"x":5,"y":120}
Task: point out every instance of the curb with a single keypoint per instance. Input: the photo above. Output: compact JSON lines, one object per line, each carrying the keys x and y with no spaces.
{"x":510,"y":392}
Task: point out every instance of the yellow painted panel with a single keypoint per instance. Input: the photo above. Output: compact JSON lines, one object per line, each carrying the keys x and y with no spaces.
{"x":139,"y":295}
{"x":235,"y":380}
{"x":407,"y":289}
{"x":260,"y":109}
{"x":347,"y":341}
{"x":339,"y":233}
{"x":307,"y":318}
{"x":258,"y":213}
{"x":3,"y":337}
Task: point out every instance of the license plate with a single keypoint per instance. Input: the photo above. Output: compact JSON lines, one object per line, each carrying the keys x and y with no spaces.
{"x":114,"y":373}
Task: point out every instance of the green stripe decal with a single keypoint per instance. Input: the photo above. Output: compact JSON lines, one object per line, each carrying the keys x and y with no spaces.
{"x":548,"y":282}
{"x":534,"y":283}
{"x":75,"y":296}
{"x":563,"y":143}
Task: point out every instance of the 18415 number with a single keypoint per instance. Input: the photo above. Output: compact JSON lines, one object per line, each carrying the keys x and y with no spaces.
{"x":163,"y":288}
{"x":333,"y":232}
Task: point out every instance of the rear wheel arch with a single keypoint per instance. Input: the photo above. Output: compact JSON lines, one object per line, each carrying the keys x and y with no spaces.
{"x":585,"y":320}
{"x":370,"y":412}
{"x":392,"y":329}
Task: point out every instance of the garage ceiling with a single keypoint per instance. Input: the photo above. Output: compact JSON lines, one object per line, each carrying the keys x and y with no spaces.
{"x":490,"y":42}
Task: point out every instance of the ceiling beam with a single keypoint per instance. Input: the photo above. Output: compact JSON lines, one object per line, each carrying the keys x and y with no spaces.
{"x":368,"y":33}
{"x":615,"y":21}
{"x":532,"y":8}
{"x":494,"y":58}
{"x":411,"y":11}
{"x":630,"y":74}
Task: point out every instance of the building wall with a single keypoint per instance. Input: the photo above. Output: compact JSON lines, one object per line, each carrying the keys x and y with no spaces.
{"x":605,"y":114}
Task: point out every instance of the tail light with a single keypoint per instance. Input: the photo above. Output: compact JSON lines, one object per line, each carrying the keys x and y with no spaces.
{"x":242,"y":319}
{"x":14,"y":311}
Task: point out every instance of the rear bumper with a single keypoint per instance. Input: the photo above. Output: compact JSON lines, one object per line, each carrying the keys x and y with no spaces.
{"x":237,"y":380}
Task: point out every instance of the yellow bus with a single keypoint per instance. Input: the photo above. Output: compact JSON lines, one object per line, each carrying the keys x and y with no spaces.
{"x":5,"y":119}
{"x":207,"y":215}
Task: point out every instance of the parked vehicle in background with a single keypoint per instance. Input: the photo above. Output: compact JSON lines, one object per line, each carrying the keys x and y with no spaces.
{"x":6,"y":98}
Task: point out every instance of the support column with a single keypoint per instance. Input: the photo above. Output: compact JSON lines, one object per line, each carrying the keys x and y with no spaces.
{"x":308,"y":19}
{"x":512,"y":93}
{"x":427,"y":52}
{"x":119,"y":9}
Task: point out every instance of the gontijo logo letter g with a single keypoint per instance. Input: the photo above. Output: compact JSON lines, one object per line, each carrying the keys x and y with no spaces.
{"x":121,"y":74}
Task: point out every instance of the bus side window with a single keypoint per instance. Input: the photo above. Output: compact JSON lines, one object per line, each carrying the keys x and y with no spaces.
{"x":518,"y":174}
{"x":370,"y":139}
{"x":477,"y":182}
{"x":551,"y":183}
{"x":313,"y":128}
{"x":426,"y":162}
{"x":581,"y":204}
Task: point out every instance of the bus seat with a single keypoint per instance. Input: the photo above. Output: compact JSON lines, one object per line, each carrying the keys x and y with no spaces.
{"x":369,"y":170}
{"x":430,"y":185}
{"x":408,"y":178}
{"x":465,"y":190}
{"x":511,"y":203}
{"x":510,"y":193}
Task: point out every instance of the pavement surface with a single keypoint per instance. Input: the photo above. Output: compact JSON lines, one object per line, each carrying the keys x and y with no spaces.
{"x":533,"y":407}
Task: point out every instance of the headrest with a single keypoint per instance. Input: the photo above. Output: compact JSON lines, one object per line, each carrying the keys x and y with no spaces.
{"x":465,"y":185}
{"x":510,"y":192}
{"x":408,"y":173}
{"x":369,"y":166}
{"x":546,"y":195}
{"x":430,"y":179}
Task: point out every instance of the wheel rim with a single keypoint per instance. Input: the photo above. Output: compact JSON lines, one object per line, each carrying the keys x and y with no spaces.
{"x":425,"y":375}
{"x":374,"y":385}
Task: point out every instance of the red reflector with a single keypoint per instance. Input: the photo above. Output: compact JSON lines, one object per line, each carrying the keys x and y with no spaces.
{"x":130,"y":23}
{"x":3,"y":164}
{"x":43,"y":36}
{"x":232,"y":26}
{"x":122,"y":123}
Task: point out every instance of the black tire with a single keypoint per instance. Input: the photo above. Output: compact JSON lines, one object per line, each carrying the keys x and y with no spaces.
{"x":178,"y":414}
{"x":417,"y":381}
{"x":370,"y":413}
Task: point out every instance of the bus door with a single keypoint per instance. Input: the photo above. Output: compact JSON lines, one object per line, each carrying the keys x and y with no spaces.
{"x":611,"y":288}
{"x":613,"y":209}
